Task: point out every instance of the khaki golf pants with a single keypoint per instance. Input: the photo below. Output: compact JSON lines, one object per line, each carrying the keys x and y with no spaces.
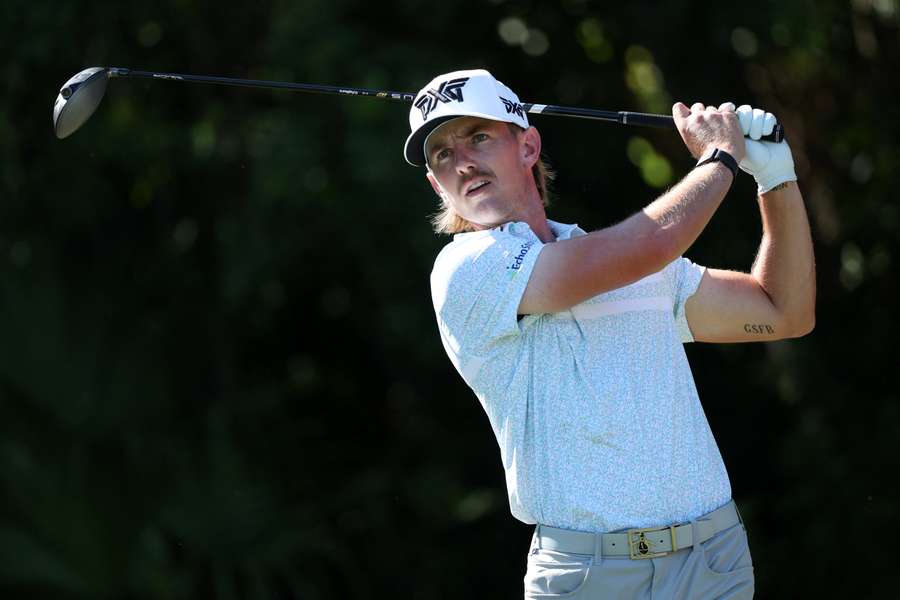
{"x":719,"y":568}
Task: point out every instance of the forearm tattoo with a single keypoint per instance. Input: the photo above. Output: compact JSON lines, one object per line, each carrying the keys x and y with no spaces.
{"x":759,"y":328}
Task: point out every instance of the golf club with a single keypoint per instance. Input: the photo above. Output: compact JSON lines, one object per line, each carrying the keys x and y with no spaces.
{"x":81,"y":94}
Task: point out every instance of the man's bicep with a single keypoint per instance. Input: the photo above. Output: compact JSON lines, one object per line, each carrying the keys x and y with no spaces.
{"x":547,"y":290}
{"x":569,"y":272}
{"x":732,"y":307}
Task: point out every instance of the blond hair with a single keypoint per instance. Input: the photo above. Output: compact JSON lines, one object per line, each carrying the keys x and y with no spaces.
{"x":445,"y":220}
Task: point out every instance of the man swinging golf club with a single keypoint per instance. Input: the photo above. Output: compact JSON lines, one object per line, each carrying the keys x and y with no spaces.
{"x":572,"y":341}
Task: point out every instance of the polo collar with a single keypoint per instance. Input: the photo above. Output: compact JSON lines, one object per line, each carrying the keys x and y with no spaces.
{"x":562,"y":231}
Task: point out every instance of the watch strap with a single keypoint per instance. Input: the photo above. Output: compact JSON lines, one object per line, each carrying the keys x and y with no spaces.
{"x":717,"y":155}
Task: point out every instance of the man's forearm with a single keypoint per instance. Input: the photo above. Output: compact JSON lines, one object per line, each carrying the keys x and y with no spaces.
{"x":678,"y":217}
{"x":785,"y":266}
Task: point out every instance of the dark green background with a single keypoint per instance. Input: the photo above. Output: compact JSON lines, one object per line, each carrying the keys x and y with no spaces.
{"x":220,"y":375}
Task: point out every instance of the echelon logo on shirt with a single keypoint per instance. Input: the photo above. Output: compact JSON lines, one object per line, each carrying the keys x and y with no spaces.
{"x":516,"y":263}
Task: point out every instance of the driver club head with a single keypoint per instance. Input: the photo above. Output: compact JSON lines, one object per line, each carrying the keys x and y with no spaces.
{"x":78,"y":99}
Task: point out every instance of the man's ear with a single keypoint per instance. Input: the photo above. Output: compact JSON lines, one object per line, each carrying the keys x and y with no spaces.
{"x":435,"y":185}
{"x":530,"y":147}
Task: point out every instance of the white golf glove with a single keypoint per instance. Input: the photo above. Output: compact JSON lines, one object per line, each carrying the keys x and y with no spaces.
{"x":770,"y":164}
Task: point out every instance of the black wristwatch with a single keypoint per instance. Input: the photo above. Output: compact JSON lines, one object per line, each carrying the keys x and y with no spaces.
{"x":719,"y":155}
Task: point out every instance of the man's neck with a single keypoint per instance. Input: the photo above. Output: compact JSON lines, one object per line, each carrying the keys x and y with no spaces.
{"x":541,"y":228}
{"x":537,"y":220}
{"x":535,"y":215}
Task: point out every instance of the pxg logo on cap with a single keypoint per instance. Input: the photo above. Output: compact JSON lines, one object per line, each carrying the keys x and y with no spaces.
{"x":512,"y":107}
{"x":472,"y":93}
{"x":447,"y":92}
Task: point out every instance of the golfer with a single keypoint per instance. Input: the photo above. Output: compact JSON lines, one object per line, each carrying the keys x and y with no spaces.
{"x":572,"y":341}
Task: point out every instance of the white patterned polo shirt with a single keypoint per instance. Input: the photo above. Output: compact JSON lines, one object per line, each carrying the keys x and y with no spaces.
{"x":594,"y":408}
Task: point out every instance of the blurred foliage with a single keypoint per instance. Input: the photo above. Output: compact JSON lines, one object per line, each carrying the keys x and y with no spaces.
{"x":220,"y":375}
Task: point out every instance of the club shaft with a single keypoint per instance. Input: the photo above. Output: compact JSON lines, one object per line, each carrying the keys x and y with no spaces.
{"x":626,"y":118}
{"x":256,"y":83}
{"x":620,"y":117}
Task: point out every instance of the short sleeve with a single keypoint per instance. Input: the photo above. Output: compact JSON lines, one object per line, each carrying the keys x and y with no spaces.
{"x":476,"y":287}
{"x":684,"y":278}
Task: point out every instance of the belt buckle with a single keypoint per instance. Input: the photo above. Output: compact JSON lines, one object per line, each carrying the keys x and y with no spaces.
{"x":640,"y":547}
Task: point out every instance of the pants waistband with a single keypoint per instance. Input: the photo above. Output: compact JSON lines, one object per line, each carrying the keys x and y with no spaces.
{"x":650,"y":542}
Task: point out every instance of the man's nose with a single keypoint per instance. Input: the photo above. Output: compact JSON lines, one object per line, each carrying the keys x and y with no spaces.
{"x":464,"y":160}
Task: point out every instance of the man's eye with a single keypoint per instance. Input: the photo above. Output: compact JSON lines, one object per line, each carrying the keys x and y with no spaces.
{"x":479,"y":137}
{"x":442,"y":154}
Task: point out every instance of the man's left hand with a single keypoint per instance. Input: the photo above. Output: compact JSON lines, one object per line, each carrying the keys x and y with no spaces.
{"x":770,"y":164}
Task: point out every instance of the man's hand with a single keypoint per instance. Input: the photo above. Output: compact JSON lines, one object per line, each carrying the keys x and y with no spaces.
{"x":770,"y":164}
{"x":706,"y":127}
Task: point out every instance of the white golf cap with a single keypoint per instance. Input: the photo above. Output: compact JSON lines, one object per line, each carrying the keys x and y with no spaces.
{"x":473,"y":93}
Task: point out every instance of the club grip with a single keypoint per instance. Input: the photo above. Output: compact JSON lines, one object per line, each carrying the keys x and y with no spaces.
{"x":649,"y":120}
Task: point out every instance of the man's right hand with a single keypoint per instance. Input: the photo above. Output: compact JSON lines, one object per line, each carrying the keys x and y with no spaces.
{"x":706,"y":127}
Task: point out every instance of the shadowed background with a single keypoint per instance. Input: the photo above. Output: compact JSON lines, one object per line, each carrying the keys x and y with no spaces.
{"x":220,"y":375}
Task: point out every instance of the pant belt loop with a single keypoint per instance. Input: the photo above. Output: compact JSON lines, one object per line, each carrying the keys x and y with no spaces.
{"x":538,"y":536}
{"x":598,"y":547}
{"x":695,"y":535}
